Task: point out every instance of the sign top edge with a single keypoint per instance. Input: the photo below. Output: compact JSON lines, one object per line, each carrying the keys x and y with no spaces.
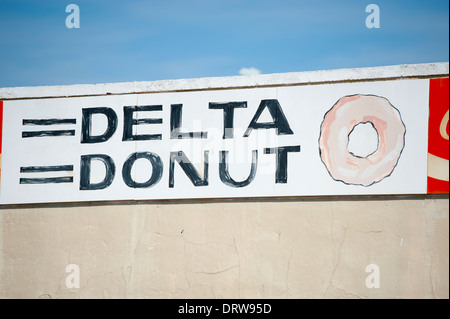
{"x":424,"y":70}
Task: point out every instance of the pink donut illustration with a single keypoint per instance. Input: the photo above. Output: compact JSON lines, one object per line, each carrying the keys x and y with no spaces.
{"x":340,"y":121}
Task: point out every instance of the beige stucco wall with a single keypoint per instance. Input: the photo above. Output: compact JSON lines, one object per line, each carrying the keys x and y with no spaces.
{"x":297,"y":248}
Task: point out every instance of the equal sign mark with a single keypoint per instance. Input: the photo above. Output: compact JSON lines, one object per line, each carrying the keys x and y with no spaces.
{"x":48,"y":122}
{"x":47,"y":180}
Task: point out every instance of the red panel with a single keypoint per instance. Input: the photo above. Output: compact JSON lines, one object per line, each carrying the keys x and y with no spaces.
{"x":1,"y":135}
{"x":438,"y":128}
{"x":1,"y":125}
{"x":436,"y":186}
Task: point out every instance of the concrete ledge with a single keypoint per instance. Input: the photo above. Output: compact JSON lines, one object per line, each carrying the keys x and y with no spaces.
{"x":427,"y":70}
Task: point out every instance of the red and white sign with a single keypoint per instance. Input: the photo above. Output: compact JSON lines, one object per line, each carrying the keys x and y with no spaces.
{"x":438,"y":137}
{"x":1,"y":130}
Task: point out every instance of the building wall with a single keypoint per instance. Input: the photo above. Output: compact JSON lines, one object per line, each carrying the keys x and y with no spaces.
{"x":303,"y":247}
{"x":269,"y":248}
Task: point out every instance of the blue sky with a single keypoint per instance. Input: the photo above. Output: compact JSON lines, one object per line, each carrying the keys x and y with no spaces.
{"x":136,"y":40}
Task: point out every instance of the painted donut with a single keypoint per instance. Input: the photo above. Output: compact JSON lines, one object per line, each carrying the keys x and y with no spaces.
{"x":340,"y":121}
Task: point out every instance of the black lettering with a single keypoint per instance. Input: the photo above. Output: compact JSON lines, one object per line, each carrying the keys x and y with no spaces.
{"x":225,"y":175}
{"x":157,"y":169}
{"x":175,"y":125}
{"x":86,"y":124}
{"x":188,"y":169}
{"x":129,"y":121}
{"x":279,"y":123}
{"x":85,"y":172}
{"x":46,"y":180}
{"x":44,"y":169}
{"x":41,"y":122}
{"x":281,"y":172}
{"x":228,"y":115}
{"x":26,"y":134}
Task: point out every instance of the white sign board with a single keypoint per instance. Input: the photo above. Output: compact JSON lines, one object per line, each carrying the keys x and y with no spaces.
{"x":305,"y":140}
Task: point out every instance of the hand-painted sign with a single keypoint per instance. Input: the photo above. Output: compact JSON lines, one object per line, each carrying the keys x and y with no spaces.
{"x":301,"y":140}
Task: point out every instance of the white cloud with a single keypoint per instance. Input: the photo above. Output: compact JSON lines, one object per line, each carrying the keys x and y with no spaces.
{"x":249,"y":71}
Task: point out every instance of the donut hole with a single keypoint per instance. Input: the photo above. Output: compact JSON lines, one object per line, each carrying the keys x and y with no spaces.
{"x":363,"y":140}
